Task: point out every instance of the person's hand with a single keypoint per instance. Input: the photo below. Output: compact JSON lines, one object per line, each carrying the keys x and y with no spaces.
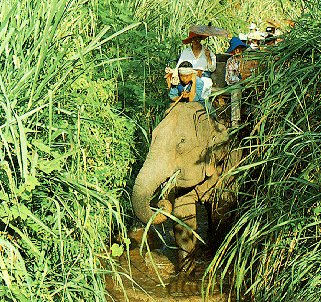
{"x":208,"y":56}
{"x":168,"y":69}
{"x":185,"y":94}
{"x":207,"y":53}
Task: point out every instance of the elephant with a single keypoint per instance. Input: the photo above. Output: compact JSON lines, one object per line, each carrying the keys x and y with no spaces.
{"x":194,"y":147}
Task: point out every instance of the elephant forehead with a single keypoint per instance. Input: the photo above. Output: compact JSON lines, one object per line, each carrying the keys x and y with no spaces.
{"x":174,"y":130}
{"x":184,"y":118}
{"x":188,"y":111}
{"x":185,"y":110}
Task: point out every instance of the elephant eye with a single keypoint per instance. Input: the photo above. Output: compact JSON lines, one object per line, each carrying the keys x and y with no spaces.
{"x":181,"y":146}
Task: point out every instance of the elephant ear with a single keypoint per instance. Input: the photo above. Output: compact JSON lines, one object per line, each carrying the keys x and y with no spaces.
{"x":216,"y":148}
{"x":212,"y":137}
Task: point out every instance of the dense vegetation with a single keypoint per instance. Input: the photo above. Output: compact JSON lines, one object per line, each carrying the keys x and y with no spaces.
{"x":81,"y":88}
{"x":275,"y":245}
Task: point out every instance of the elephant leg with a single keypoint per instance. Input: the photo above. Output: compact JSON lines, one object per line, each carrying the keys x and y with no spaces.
{"x":185,"y":210}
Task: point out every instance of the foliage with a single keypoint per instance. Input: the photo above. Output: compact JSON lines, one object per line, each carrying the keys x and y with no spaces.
{"x":81,"y":87}
{"x":65,"y":152}
{"x":172,"y":18}
{"x":272,"y":251}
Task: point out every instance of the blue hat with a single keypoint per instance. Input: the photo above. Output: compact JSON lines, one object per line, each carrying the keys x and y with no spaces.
{"x":236,"y":42}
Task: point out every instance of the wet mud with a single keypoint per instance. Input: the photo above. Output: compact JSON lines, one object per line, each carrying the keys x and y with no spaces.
{"x":151,"y":276}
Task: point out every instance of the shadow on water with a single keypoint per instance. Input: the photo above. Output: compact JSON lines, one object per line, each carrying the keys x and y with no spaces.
{"x":146,"y":285}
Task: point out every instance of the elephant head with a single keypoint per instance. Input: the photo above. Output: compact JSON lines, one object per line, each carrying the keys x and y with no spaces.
{"x":182,"y":143}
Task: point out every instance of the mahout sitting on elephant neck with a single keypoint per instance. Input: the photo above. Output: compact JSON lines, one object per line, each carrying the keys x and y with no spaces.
{"x":189,"y":87}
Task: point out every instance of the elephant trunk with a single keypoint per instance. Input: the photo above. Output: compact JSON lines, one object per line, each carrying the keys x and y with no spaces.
{"x":147,"y":182}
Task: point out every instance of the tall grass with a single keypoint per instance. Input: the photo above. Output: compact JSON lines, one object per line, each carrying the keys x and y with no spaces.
{"x":272,"y":252}
{"x":172,"y":19}
{"x":65,"y":154}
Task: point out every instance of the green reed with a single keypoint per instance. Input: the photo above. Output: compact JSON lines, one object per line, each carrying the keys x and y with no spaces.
{"x":271,"y":252}
{"x":64,"y":152}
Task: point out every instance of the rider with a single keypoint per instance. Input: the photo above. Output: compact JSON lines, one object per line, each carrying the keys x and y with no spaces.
{"x":190,"y":86}
{"x":233,"y":64}
{"x":233,"y":75}
{"x":202,"y":59}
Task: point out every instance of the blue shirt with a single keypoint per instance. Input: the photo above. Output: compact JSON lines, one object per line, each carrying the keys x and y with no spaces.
{"x":177,"y":90}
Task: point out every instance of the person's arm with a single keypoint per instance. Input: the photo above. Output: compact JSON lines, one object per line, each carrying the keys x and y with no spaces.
{"x":211,"y":60}
{"x":192,"y":93}
{"x":199,"y":89}
{"x":168,"y":78}
{"x":173,"y":93}
{"x":189,"y":91}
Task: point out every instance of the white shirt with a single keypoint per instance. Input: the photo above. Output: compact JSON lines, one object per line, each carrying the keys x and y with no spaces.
{"x":200,"y":62}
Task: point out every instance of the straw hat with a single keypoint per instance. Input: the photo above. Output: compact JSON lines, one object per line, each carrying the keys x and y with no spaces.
{"x":252,"y":26}
{"x":191,"y":36}
{"x":274,"y":23}
{"x":243,"y":37}
{"x":255,"y":36}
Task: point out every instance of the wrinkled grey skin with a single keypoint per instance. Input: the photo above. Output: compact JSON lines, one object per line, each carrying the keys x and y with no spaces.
{"x":190,"y":142}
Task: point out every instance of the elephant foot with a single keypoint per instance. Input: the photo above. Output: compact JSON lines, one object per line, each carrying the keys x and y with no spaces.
{"x":183,"y":286}
{"x":186,"y":262}
{"x":187,"y":267}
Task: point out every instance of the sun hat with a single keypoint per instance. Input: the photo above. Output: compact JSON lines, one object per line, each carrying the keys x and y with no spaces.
{"x":270,"y":29}
{"x":243,"y":37}
{"x":255,"y":36}
{"x":186,"y":70}
{"x":252,"y":26}
{"x":191,"y":36}
{"x":234,"y":43}
{"x":274,"y":23}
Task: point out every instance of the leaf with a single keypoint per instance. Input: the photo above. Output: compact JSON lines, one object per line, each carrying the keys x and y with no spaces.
{"x":127,"y":241}
{"x":41,"y":146}
{"x":15,"y":212}
{"x":47,"y":166}
{"x":23,"y":148}
{"x":4,"y":196}
{"x":19,"y":210}
{"x":116,"y":250}
{"x":31,"y":182}
{"x":317,"y":210}
{"x":5,"y":275}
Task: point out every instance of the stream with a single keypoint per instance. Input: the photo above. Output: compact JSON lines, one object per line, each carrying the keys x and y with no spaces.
{"x":146,"y":285}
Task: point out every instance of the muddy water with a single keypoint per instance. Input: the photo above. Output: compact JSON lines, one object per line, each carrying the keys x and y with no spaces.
{"x":146,"y":285}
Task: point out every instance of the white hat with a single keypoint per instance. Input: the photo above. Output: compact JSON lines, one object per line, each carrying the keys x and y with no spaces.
{"x":255,"y":36}
{"x":253,"y":26}
{"x":186,"y":70}
{"x":199,"y":68}
{"x":242,"y":37}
